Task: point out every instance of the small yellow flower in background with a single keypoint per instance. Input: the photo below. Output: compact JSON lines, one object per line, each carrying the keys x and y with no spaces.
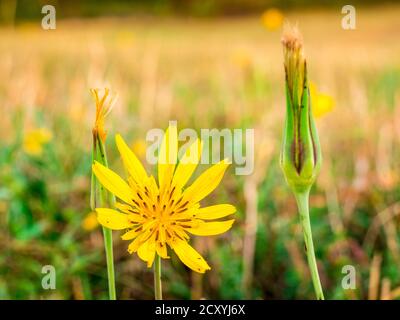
{"x":90,"y":222}
{"x":157,"y":215}
{"x":35,"y":139}
{"x":272,"y":19}
{"x":321,"y":102}
{"x":104,"y":104}
{"x":139,"y":148}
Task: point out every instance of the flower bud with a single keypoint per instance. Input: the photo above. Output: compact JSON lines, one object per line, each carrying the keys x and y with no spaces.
{"x":301,"y":152}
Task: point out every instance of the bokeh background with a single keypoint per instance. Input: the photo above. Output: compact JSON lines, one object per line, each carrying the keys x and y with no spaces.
{"x":207,"y":64}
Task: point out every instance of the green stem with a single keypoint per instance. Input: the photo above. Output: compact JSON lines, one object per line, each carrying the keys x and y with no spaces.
{"x":93,"y":181}
{"x":99,"y":198}
{"x":157,"y":278}
{"x":109,"y":197}
{"x":108,"y":245}
{"x":302,"y":203}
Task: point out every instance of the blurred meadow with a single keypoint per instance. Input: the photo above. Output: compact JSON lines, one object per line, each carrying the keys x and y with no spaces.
{"x":205,"y":72}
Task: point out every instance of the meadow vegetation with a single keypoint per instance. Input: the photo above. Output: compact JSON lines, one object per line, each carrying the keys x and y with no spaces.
{"x":204,"y":73}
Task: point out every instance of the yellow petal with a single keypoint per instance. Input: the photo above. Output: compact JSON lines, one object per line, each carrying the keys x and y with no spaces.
{"x":206,"y":182}
{"x":132,"y":215}
{"x":124,"y":207}
{"x":167,"y":157}
{"x":180,"y":232}
{"x":152,"y":184}
{"x":161,"y":246}
{"x":113,"y":219}
{"x":189,"y":213}
{"x":131,"y":234}
{"x":188,"y":163}
{"x":113,"y":182}
{"x":215,"y":212}
{"x":189,"y":256}
{"x":147,"y":252}
{"x":134,"y":245}
{"x":131,"y":162}
{"x":161,"y":249}
{"x":211,"y":228}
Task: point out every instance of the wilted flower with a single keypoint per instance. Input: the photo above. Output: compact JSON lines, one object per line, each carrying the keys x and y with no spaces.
{"x":104,"y":104}
{"x":301,"y":152}
{"x":100,"y":196}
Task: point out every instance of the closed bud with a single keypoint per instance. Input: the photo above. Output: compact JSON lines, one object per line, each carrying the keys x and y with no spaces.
{"x":301,"y":152}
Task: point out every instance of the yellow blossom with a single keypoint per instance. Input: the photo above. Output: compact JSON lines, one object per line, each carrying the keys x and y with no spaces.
{"x":272,"y":19}
{"x":90,"y":222}
{"x":104,"y":104}
{"x":35,"y":139}
{"x":156,"y":215}
{"x":321,"y":102}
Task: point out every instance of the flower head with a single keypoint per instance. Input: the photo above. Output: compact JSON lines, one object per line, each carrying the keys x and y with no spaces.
{"x":35,"y":139}
{"x":157,"y":215}
{"x":301,"y":153}
{"x":104,"y":104}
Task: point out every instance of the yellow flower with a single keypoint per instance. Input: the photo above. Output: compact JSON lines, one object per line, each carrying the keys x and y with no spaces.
{"x":157,"y":215}
{"x":272,"y":19}
{"x":104,"y":105}
{"x":321,"y":102}
{"x":90,"y":222}
{"x":35,"y":139}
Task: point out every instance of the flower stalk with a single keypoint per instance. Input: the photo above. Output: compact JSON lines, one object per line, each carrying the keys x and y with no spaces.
{"x":301,"y":152}
{"x":157,"y":278}
{"x":99,"y":196}
{"x":302,"y":203}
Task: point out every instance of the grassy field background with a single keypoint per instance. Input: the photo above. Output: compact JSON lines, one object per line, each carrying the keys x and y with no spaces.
{"x":205,"y":73}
